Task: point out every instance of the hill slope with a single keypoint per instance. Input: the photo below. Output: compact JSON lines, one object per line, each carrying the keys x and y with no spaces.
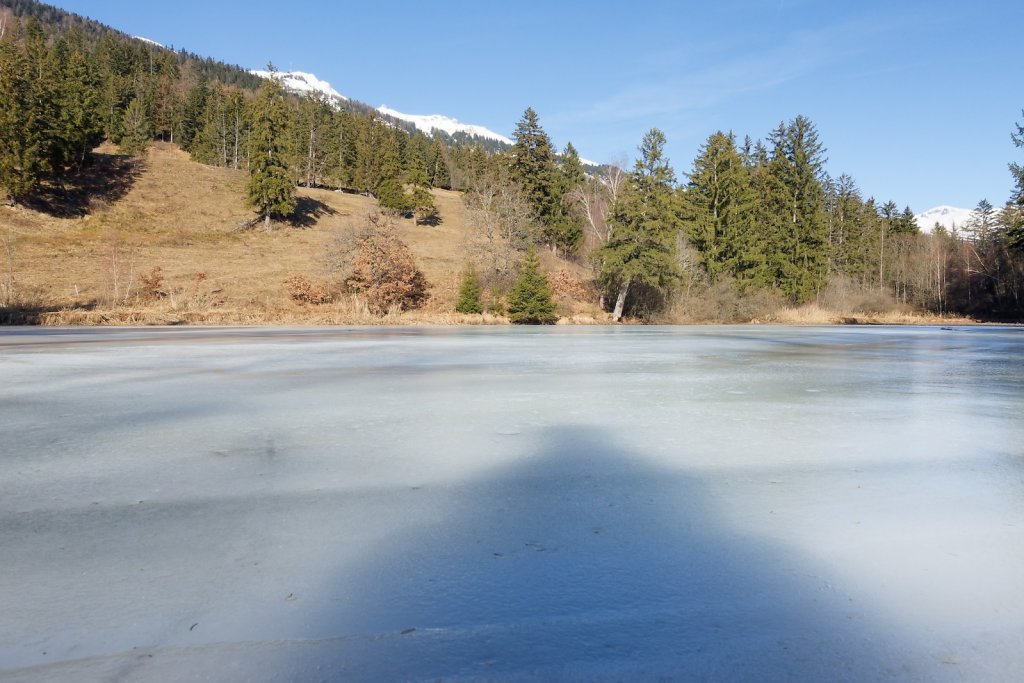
{"x":91,"y":265}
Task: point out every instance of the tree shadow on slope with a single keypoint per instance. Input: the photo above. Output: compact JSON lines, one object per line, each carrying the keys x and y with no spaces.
{"x":431,"y":220}
{"x":102,"y":179}
{"x":585,"y":563}
{"x":308,"y":211}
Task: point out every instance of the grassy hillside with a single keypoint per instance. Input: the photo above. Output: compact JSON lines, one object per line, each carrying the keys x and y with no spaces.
{"x":86,"y":254}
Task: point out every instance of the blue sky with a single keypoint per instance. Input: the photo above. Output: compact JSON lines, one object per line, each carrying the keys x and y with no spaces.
{"x":915,"y":99}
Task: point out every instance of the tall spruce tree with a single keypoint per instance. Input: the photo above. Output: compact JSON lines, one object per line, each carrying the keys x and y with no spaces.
{"x":1015,"y":215}
{"x":565,"y":230}
{"x":193,"y":113}
{"x":797,"y":162}
{"x":271,"y":191}
{"x":533,"y":168}
{"x":768,"y":223}
{"x":848,"y":230}
{"x":718,"y":206}
{"x":136,"y":132}
{"x":21,"y":138}
{"x":644,"y":225}
{"x":81,"y":128}
{"x":438,"y":174}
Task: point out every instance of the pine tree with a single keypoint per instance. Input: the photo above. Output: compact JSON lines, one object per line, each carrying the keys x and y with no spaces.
{"x":438,"y":174}
{"x":378,"y":157}
{"x":470,"y":293}
{"x":718,"y":206}
{"x":529,"y":302}
{"x":342,"y":162}
{"x":271,"y":191}
{"x":136,"y":132}
{"x":797,"y":162}
{"x":981,"y":226}
{"x":1016,"y":170}
{"x":80,"y":125}
{"x":573,"y":174}
{"x":887,"y":218}
{"x":421,"y":202}
{"x":116,"y":66}
{"x":166,"y":100}
{"x":44,"y":96}
{"x":312,"y":138}
{"x":565,"y":228}
{"x":193,"y":114}
{"x":21,"y":136}
{"x":644,"y":226}
{"x":848,"y":248}
{"x":533,"y":168}
{"x":1015,"y":217}
{"x":392,"y":197}
{"x":765,"y":246}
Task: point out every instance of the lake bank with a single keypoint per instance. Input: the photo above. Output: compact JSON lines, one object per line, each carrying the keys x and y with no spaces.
{"x":351,"y":313}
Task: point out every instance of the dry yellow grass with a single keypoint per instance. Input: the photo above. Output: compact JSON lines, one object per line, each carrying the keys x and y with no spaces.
{"x":184,"y":218}
{"x":812,"y":314}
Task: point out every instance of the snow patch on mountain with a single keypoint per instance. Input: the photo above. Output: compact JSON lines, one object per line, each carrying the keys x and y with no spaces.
{"x":147,"y":40}
{"x":429,"y":122}
{"x":948,"y":217}
{"x":302,"y":82}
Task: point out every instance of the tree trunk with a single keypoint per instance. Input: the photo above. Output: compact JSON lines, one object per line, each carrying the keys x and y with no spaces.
{"x":620,"y":303}
{"x":266,"y":221}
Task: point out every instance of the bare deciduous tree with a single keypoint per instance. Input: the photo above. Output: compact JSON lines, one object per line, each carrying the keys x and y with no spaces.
{"x":503,"y":222}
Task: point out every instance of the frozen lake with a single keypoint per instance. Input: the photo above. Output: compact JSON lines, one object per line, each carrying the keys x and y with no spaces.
{"x":698,"y":503}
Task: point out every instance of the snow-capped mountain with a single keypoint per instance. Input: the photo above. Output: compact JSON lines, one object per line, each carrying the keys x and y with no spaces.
{"x":302,"y":82}
{"x":946,"y":216}
{"x":429,"y":122}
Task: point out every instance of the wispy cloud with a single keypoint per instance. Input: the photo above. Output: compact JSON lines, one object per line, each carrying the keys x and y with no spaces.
{"x":699,"y":87}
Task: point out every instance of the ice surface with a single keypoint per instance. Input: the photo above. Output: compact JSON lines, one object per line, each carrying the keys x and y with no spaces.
{"x":706,"y":503}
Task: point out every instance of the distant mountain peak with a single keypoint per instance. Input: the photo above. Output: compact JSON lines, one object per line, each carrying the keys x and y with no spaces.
{"x":302,"y":82}
{"x":948,"y":217}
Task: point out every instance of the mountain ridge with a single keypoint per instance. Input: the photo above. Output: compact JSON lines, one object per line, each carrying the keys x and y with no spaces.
{"x":305,"y":82}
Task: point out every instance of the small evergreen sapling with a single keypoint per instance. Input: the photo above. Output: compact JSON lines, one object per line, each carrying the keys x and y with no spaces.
{"x":529,"y":302}
{"x":470,"y":293}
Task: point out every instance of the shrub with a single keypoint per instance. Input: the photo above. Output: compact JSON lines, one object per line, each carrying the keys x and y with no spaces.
{"x":300,"y":289}
{"x":151,"y":287}
{"x":384,"y":270}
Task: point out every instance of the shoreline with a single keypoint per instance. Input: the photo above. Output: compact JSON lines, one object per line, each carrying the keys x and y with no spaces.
{"x":134,"y":318}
